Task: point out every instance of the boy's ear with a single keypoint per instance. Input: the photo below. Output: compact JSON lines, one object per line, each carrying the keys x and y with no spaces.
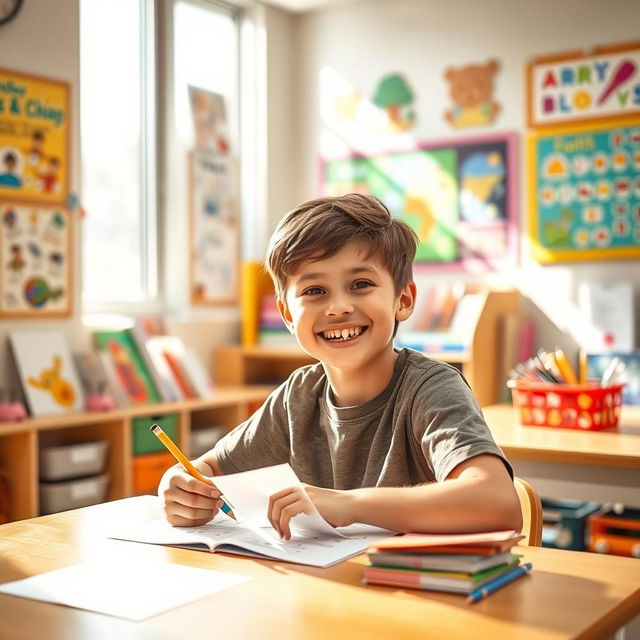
{"x":284,"y":312}
{"x":406,"y":302}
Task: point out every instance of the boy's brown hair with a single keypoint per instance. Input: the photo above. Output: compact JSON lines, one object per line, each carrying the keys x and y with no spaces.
{"x":320,"y":228}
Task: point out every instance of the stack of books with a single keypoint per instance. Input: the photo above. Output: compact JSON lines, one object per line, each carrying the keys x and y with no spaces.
{"x":474,"y":564}
{"x":271,"y":328}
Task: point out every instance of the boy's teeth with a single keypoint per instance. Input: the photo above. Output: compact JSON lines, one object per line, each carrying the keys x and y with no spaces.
{"x":342,"y":334}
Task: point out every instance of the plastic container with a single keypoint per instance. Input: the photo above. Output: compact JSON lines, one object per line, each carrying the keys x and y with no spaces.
{"x":73,"y":460}
{"x":143,"y":440}
{"x":615,"y":531}
{"x":203,"y":438}
{"x":565,"y":523}
{"x":148,"y":469}
{"x":72,"y":494}
{"x":573,"y":406}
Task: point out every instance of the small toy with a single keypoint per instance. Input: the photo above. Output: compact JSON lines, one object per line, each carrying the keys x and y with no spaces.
{"x":101,"y":400}
{"x":11,"y":410}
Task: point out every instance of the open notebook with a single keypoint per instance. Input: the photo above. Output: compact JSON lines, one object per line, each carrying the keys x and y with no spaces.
{"x":223,"y":534}
{"x":314,"y":541}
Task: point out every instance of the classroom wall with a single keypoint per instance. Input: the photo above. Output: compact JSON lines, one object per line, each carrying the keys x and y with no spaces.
{"x":362,"y":41}
{"x":43,"y":39}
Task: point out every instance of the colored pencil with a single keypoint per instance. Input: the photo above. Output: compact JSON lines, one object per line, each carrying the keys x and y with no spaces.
{"x":499,"y":582}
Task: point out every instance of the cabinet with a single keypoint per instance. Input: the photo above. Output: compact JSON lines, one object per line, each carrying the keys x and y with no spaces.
{"x":481,"y":364}
{"x":20,"y":441}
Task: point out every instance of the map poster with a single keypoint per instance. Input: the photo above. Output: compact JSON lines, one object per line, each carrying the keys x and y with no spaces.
{"x":584,"y":189}
{"x":35,"y":259}
{"x":458,"y":196}
{"x":34,"y":138}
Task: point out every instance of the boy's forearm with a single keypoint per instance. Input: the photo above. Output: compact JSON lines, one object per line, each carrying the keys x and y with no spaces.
{"x":454,"y":506}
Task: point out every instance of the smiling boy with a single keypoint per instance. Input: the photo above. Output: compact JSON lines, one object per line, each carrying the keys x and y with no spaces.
{"x":381,"y":436}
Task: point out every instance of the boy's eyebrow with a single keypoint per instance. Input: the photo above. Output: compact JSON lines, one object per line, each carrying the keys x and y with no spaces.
{"x":352,"y":272}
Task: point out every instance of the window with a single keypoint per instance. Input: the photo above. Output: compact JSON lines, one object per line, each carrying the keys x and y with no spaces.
{"x":117,"y":112}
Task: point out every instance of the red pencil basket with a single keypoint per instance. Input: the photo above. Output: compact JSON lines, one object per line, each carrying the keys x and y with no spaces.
{"x":588,"y":406}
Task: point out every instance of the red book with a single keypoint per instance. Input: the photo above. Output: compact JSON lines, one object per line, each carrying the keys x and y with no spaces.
{"x":476,"y":543}
{"x":179,"y":375}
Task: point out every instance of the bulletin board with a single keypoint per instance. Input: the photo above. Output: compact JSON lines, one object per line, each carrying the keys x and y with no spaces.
{"x":584,"y":192}
{"x":578,"y":87}
{"x":214,"y":230}
{"x":34,"y":138}
{"x":458,"y":195}
{"x":35,"y":255}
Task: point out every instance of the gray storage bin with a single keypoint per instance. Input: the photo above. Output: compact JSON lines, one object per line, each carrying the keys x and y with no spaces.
{"x":73,"y":460}
{"x":204,"y":438}
{"x":72,"y":494}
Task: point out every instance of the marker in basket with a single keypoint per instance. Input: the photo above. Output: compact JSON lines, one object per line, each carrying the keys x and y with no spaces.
{"x":184,"y":461}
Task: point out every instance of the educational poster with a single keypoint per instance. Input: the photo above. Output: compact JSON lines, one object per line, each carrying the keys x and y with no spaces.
{"x":35,"y":261}
{"x":47,"y":372}
{"x":215,"y":231}
{"x":582,"y":88}
{"x":584,"y":187}
{"x":457,"y":196}
{"x":34,"y":138}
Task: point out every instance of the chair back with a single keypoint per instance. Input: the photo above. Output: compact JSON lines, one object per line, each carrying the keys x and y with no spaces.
{"x":531,"y":507}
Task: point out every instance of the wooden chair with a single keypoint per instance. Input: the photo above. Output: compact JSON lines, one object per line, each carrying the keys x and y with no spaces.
{"x":531,"y":512}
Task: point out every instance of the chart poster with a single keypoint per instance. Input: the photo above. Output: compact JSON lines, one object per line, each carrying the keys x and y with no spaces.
{"x":215,"y":230}
{"x":458,"y":196}
{"x":35,"y":255}
{"x":34,"y":138}
{"x":569,"y":89}
{"x":584,"y":187}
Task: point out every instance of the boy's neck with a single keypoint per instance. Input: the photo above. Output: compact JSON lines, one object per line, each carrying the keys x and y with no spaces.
{"x":353,"y":387}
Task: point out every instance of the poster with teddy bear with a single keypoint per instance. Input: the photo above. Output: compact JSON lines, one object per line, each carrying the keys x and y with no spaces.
{"x":471,"y":89}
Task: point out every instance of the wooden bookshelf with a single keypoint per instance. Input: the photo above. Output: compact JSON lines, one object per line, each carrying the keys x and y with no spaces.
{"x":480,"y":363}
{"x":20,"y":441}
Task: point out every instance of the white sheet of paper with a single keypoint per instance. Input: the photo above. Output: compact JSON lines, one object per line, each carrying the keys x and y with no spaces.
{"x":134,"y":591}
{"x":249,"y":492}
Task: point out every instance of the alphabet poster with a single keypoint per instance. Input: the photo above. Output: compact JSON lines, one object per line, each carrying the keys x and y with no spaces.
{"x":34,"y":138}
{"x":568,"y":89}
{"x":458,"y":195}
{"x":584,"y":190}
{"x":35,"y":257}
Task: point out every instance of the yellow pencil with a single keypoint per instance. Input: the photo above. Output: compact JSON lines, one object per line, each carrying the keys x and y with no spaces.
{"x":184,"y":461}
{"x":565,"y":366}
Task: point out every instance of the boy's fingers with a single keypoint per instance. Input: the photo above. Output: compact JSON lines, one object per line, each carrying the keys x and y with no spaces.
{"x":276,"y":502}
{"x":195,"y":500}
{"x":202,"y":488}
{"x":191,"y":513}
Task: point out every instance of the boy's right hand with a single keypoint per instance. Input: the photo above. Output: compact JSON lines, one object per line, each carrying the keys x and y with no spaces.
{"x":187,"y":502}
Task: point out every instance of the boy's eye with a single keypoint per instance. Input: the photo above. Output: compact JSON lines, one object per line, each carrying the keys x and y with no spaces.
{"x":361,"y":284}
{"x":313,"y":291}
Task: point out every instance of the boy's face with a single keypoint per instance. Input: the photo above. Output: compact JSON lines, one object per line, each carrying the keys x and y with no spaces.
{"x":343,"y":309}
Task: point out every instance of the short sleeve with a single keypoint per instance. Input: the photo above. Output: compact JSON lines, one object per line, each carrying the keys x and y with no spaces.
{"x":260,"y":441}
{"x":448,"y":423}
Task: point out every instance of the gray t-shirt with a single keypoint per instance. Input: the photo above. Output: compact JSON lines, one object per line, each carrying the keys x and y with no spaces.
{"x":417,"y":430}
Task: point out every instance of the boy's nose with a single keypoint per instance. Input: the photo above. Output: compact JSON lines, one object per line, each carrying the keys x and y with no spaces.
{"x":339,"y":307}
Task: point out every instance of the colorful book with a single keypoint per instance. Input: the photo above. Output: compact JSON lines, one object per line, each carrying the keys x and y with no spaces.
{"x":491,"y":541}
{"x":453,"y":582}
{"x":129,"y":365}
{"x":441,"y":562}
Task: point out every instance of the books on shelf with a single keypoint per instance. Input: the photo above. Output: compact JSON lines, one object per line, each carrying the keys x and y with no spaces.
{"x":122,"y":356}
{"x":271,"y":328}
{"x":456,"y":563}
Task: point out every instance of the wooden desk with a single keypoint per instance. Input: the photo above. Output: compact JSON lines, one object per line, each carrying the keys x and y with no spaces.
{"x":567,"y":595}
{"x":584,"y":465}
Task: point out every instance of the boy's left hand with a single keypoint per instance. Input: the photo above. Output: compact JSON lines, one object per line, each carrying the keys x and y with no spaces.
{"x":334,"y":506}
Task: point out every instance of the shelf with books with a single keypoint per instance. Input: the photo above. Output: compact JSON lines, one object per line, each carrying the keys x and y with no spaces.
{"x":20,"y":442}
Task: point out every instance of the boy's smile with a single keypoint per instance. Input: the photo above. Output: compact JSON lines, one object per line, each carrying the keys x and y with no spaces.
{"x":343,"y":311}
